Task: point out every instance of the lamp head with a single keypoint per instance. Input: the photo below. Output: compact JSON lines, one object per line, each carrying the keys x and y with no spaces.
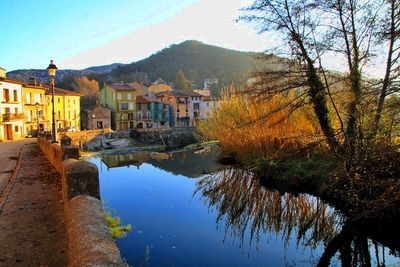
{"x":52,"y":69}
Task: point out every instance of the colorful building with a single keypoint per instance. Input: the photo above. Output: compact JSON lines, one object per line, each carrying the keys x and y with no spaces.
{"x":150,"y":113}
{"x":11,"y":114}
{"x":184,"y":107}
{"x":121,"y":99}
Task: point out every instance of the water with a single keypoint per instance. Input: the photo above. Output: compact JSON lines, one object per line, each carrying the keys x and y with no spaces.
{"x":182,"y":216}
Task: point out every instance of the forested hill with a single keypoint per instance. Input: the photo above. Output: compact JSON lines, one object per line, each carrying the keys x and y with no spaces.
{"x":198,"y":62}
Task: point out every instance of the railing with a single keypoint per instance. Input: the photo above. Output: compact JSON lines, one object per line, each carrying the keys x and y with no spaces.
{"x":11,"y":117}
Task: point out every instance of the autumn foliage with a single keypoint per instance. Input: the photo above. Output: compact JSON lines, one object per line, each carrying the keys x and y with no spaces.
{"x":251,"y":127}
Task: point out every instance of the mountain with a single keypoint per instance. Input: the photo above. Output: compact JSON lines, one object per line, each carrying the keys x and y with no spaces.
{"x":42,"y":76}
{"x":197,"y":60}
{"x":105,"y":68}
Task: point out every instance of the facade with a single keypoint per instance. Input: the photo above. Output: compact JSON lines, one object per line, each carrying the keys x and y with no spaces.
{"x":26,"y":108}
{"x":204,"y":92}
{"x":207,"y":106}
{"x":208,"y":83}
{"x":34,"y":107}
{"x":121,"y":100}
{"x":184,"y":107}
{"x":154,"y":89}
{"x":11,"y":113}
{"x":98,"y":117}
{"x":66,"y":110}
{"x":151,"y":114}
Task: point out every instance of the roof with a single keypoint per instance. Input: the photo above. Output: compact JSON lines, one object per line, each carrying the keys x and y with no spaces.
{"x":206,"y":98}
{"x":142,"y":100}
{"x":121,"y":87}
{"x":137,"y":86}
{"x":182,"y":93}
{"x":59,"y":91}
{"x":178,"y":93}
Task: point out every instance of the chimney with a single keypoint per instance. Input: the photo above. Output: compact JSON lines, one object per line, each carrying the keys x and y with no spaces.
{"x":32,"y":81}
{"x":2,"y":73}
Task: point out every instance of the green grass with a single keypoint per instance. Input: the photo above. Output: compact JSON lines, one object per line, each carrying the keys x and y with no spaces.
{"x":116,"y":229}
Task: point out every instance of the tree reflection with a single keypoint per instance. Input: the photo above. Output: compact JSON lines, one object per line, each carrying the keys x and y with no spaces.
{"x":243,"y":204}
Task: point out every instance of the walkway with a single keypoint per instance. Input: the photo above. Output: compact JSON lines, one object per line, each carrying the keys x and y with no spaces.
{"x":32,"y":230}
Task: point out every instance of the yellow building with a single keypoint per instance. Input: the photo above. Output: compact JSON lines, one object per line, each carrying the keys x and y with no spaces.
{"x":33,"y":99}
{"x":66,"y":110}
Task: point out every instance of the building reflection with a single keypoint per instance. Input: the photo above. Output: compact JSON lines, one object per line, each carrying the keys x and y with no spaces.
{"x":191,"y":164}
{"x":245,"y":205}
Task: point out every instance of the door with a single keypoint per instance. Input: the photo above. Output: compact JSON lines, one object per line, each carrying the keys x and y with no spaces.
{"x":8,"y":132}
{"x":100,"y":125}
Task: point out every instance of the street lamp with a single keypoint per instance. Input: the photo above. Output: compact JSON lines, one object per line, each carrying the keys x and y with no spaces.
{"x":52,"y":69}
{"x":93,"y":116}
{"x":37,"y":118}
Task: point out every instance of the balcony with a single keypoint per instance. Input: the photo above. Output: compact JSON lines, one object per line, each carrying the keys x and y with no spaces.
{"x":12,"y":117}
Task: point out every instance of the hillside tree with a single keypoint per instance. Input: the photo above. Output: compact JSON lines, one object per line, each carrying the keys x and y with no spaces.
{"x":181,"y":83}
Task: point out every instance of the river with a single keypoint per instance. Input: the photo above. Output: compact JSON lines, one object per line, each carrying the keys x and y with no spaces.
{"x":187,"y":210}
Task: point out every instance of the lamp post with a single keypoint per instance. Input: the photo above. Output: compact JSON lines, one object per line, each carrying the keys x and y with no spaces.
{"x":93,"y":116}
{"x":52,"y":69}
{"x":37,"y":118}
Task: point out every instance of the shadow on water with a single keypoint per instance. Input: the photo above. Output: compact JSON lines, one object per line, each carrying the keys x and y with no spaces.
{"x":243,"y":204}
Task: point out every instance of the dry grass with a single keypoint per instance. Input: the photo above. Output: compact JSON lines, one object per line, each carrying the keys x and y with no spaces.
{"x":253,"y":127}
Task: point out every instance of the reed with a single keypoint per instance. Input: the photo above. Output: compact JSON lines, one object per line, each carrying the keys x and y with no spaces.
{"x":252,"y":127}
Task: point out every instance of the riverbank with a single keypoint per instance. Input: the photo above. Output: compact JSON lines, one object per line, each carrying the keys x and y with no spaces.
{"x":370,"y":205}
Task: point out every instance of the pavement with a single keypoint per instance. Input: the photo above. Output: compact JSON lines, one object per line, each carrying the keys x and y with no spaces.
{"x":32,"y":227}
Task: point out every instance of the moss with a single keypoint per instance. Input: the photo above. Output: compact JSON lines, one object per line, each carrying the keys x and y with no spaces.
{"x":116,"y":229}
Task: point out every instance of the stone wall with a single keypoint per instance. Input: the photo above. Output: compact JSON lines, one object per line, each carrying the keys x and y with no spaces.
{"x":82,"y":137}
{"x":89,"y":241}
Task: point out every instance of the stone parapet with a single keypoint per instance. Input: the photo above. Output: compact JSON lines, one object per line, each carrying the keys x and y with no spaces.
{"x":89,"y":241}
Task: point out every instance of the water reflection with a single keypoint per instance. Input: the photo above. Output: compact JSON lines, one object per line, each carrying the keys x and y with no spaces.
{"x":191,"y":164}
{"x":243,"y":204}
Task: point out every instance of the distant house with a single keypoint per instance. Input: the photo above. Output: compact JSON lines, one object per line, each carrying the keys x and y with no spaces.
{"x":207,"y":106}
{"x":184,"y":107}
{"x":151,"y":114}
{"x":204,"y":92}
{"x":209,"y":82}
{"x":140,"y":89}
{"x":121,"y":100}
{"x":98,"y":117}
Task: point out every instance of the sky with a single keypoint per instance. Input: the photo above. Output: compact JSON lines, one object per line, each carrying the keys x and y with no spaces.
{"x":84,"y":33}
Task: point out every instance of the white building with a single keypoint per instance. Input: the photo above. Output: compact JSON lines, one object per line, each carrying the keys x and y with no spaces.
{"x":11,"y":113}
{"x":208,"y":105}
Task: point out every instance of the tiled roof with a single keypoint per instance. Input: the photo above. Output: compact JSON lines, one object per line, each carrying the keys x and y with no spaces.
{"x":180,"y":93}
{"x":142,"y":100}
{"x":137,"y":86}
{"x":121,"y":87}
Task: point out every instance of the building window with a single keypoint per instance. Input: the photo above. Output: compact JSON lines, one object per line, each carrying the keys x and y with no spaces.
{"x":28,"y":98}
{"x":15,"y":96}
{"x":59,"y":114}
{"x":58,"y":100}
{"x":69,"y":104}
{"x":16,"y":129}
{"x":119,"y":96}
{"x":123,"y":106}
{"x":139,"y":107}
{"x":139,"y":115}
{"x":74,"y":101}
{"x":74,"y":113}
{"x":37,"y":98}
{"x":129,"y":96}
{"x":131,"y":106}
{"x":69,"y":114}
{"x":130,"y":116}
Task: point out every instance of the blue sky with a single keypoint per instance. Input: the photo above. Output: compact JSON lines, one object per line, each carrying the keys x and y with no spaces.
{"x":79,"y":34}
